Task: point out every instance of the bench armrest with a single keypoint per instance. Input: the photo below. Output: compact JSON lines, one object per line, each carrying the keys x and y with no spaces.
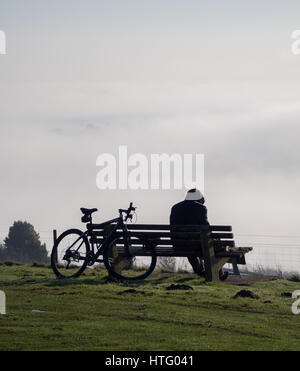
{"x":243,"y":250}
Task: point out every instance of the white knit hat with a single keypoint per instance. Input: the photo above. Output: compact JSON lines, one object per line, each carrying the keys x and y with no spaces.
{"x":193,"y":195}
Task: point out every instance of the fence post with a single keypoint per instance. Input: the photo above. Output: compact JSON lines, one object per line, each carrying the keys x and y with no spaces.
{"x":54,"y":241}
{"x":54,"y":236}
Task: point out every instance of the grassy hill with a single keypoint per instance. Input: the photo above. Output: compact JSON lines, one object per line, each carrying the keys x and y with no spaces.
{"x":90,"y":314}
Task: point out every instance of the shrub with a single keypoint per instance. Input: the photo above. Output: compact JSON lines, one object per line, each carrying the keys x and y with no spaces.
{"x":38,"y":264}
{"x":294,"y":278}
{"x":9,"y":263}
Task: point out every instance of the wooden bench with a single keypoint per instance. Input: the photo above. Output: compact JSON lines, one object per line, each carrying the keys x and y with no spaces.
{"x":214,"y":244}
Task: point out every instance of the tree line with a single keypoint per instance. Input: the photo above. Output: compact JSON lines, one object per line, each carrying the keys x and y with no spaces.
{"x":23,"y":244}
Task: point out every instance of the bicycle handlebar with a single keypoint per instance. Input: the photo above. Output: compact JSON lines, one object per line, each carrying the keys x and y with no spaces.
{"x":128,"y":211}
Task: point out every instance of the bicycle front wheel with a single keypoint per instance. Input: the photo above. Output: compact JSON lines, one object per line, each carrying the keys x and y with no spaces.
{"x":133,"y":262}
{"x":69,"y":254}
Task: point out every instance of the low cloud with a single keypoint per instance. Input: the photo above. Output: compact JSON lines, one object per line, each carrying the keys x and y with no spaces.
{"x":49,"y":147}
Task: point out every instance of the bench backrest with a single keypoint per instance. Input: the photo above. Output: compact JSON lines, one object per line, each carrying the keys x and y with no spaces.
{"x":175,"y":240}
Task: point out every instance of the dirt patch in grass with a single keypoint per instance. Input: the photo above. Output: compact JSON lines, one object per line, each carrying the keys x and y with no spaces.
{"x":286,"y":294}
{"x":245,"y":294}
{"x":243,"y":280}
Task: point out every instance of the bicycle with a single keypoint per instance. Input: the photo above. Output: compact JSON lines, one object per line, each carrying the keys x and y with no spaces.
{"x":73,"y":252}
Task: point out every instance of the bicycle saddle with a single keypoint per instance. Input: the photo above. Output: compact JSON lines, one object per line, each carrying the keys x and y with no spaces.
{"x":88,"y":211}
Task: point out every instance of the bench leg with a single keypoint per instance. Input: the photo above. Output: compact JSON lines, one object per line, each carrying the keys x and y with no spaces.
{"x":214,"y":267}
{"x":208,"y":256}
{"x":235,"y":267}
{"x":212,"y":263}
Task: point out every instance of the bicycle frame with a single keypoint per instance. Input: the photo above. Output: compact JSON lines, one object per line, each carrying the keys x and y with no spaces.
{"x":99,"y":247}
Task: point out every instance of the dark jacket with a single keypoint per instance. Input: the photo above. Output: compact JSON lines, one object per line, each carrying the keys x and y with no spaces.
{"x":189,"y":213}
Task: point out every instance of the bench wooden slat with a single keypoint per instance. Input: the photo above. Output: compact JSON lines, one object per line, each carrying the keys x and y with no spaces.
{"x":230,"y":250}
{"x":167,"y":251}
{"x":196,"y":243}
{"x":166,"y":227}
{"x":163,"y":252}
{"x":188,"y":243}
{"x":180,"y":253}
{"x":187,"y":235}
{"x":240,"y":249}
{"x":224,"y":243}
{"x":228,"y":254}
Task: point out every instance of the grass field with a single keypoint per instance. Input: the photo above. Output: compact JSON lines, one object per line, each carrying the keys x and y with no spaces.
{"x":90,"y":314}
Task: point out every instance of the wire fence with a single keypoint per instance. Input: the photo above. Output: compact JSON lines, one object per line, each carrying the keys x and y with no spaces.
{"x":272,"y":254}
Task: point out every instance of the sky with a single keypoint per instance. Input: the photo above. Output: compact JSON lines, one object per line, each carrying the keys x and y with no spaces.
{"x":217,"y":78}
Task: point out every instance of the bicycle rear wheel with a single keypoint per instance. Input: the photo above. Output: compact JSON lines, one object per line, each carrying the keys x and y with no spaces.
{"x":69,"y":254}
{"x":133,"y":263}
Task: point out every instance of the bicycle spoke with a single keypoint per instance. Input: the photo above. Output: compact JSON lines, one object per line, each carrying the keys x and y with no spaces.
{"x":131,"y":261}
{"x":69,"y":254}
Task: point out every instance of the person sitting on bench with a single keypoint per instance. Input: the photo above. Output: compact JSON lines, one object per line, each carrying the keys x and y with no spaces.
{"x":191,"y":211}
